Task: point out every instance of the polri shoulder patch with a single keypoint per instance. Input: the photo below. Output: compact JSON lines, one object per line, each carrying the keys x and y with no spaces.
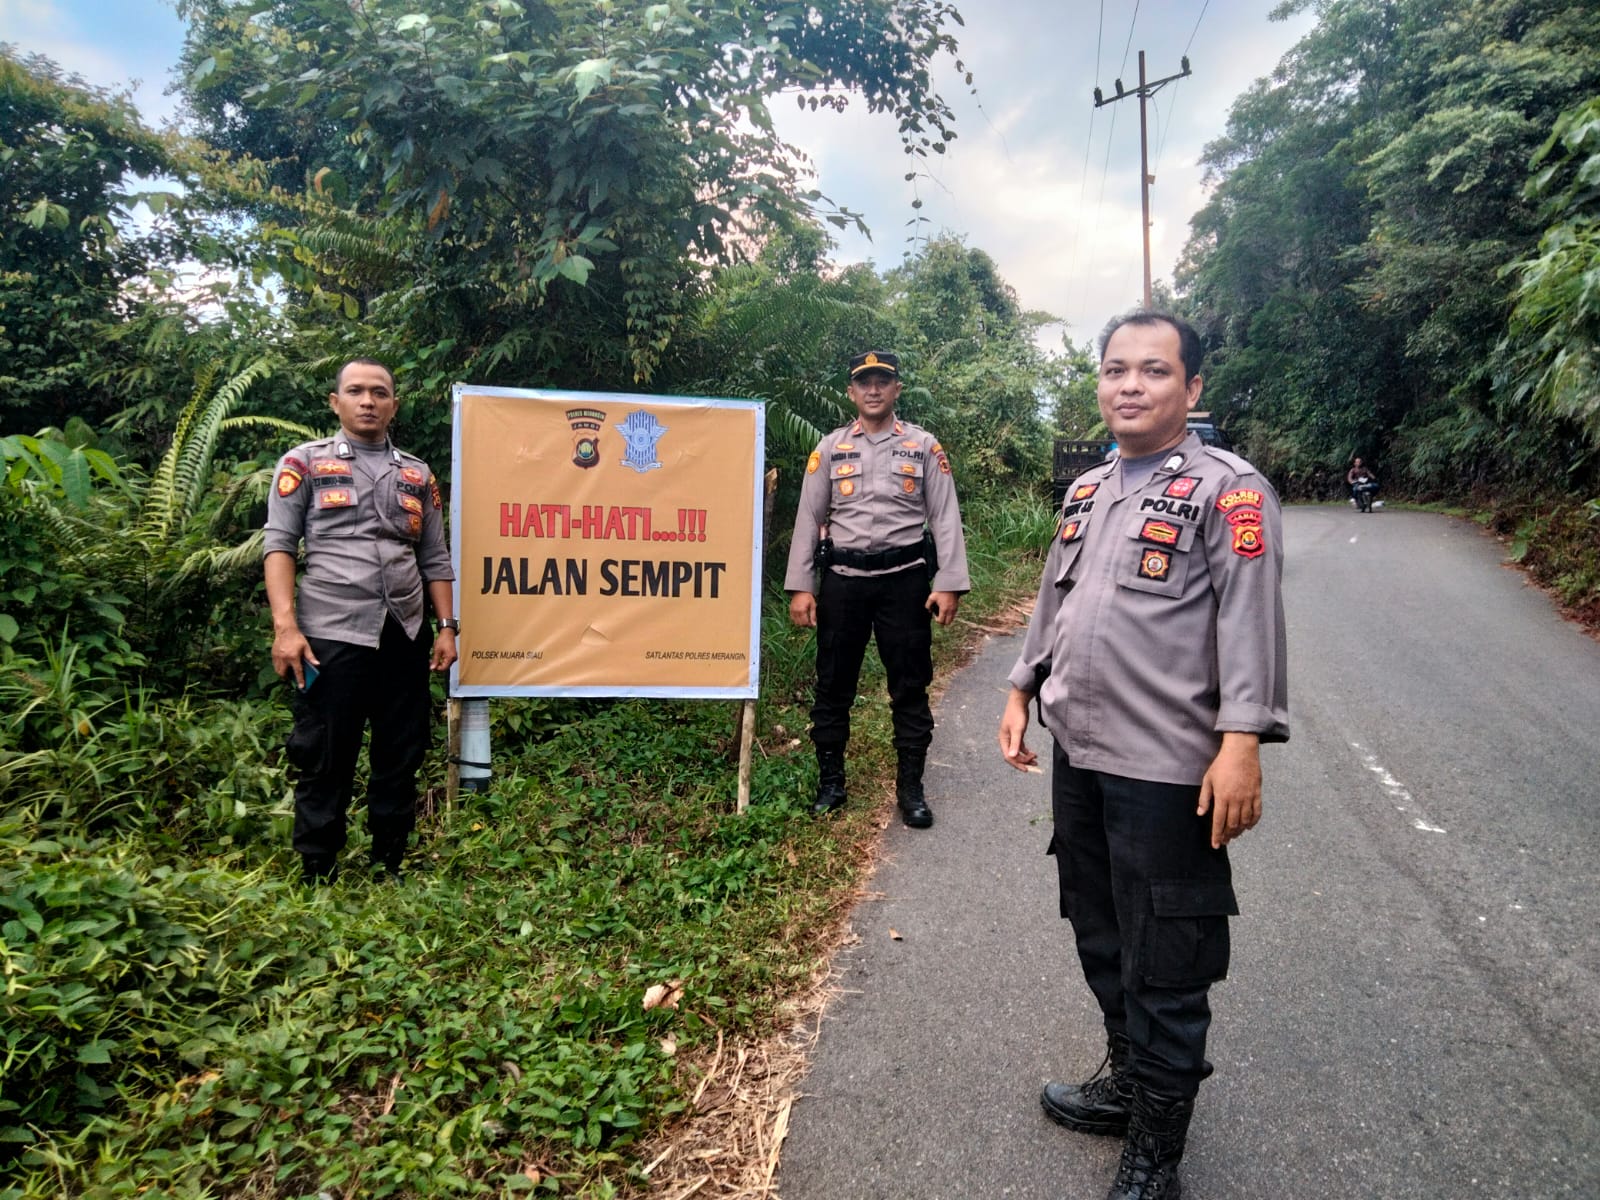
{"x":1249,"y":541}
{"x":1242,"y":496}
{"x":813,"y":462}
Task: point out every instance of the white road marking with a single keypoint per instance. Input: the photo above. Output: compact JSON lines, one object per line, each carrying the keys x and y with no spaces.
{"x":1403,"y":800}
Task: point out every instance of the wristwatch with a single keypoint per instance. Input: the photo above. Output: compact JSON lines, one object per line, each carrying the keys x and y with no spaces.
{"x":450,"y":623}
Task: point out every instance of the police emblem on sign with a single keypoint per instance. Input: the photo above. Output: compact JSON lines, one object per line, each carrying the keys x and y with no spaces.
{"x":641,"y":431}
{"x":585,"y":424}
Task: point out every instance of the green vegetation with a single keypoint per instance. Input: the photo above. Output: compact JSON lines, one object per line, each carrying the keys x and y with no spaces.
{"x":1398,"y":260}
{"x":181,"y":1017}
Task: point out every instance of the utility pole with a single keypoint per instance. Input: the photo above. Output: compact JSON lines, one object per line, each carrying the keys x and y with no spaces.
{"x":1144,"y":91}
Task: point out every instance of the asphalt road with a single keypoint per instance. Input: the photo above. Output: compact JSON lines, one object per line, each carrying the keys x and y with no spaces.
{"x":1414,"y":1005}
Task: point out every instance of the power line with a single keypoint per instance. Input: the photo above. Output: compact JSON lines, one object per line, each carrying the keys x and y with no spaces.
{"x":1198,"y":19}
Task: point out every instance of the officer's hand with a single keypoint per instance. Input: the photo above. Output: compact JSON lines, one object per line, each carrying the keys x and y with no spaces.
{"x":1231,"y":789}
{"x":1013,"y":725}
{"x":290,"y":653}
{"x":803,"y":609}
{"x":444,"y":650}
{"x":944,"y":605}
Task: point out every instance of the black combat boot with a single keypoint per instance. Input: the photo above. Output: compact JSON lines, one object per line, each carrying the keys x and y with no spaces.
{"x":830,"y":782}
{"x":1156,"y":1133}
{"x":387,"y":852}
{"x":914,"y":810}
{"x":1102,"y":1103}
{"x":319,"y":868}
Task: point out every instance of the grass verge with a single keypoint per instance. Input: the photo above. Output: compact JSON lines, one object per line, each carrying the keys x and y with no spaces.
{"x":589,"y":978}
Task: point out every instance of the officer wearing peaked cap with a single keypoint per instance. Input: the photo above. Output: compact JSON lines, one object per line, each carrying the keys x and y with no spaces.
{"x":1156,"y":653}
{"x":879,"y":522}
{"x":355,"y":641}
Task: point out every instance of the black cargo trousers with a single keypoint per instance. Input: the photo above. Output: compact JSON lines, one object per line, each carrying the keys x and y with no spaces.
{"x":357,"y":686}
{"x":892,"y":608}
{"x":1149,"y":901}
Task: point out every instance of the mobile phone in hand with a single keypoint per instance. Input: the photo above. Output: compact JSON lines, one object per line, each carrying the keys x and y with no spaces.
{"x":309,"y":670}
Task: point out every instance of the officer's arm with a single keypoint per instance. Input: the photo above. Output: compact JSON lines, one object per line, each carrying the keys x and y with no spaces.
{"x":1013,"y":730}
{"x":1244,"y":548}
{"x":944,"y":521}
{"x":800,"y":577}
{"x":290,"y":650}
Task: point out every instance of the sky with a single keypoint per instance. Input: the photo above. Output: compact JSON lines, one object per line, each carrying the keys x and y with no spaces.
{"x":1038,"y":178}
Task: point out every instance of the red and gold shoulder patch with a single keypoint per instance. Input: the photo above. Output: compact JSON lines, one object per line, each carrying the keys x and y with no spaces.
{"x":1245,"y":516}
{"x":1155,"y":564}
{"x":813,"y":462}
{"x":1160,"y":531}
{"x":289,"y":480}
{"x":1249,"y":541}
{"x":1084,"y":490}
{"x":433,"y":491}
{"x":1183,"y":487}
{"x":1243,"y":496}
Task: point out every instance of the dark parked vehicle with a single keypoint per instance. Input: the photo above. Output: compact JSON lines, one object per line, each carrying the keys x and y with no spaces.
{"x":1073,"y":458}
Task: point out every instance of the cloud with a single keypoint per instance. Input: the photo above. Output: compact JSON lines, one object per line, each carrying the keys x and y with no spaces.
{"x":1038,"y":178}
{"x":110,"y":43}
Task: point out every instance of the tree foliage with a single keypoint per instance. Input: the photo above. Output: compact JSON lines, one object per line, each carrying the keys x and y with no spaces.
{"x":1349,"y":268}
{"x":67,"y":151}
{"x":563,"y":162}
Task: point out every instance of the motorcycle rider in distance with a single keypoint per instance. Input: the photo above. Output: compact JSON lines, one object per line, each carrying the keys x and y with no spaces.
{"x":1357,"y":478}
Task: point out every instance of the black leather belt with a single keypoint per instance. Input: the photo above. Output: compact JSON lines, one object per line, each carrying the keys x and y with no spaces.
{"x":879,"y":560}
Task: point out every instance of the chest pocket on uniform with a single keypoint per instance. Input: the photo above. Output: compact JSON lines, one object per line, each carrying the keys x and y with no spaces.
{"x":1158,"y":557}
{"x":409,"y":496}
{"x":333,"y":496}
{"x":846,"y":480}
{"x":905,"y":478}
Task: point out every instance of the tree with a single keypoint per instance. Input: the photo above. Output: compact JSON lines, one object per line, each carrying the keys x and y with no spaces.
{"x":1347,"y":269}
{"x":1553,"y":345}
{"x":68,"y":152}
{"x":569,"y":164}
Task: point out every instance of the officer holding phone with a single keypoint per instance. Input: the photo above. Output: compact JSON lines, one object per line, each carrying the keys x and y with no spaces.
{"x":355,"y":640}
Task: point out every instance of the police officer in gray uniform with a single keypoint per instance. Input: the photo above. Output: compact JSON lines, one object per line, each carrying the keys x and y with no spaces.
{"x":877,"y":495}
{"x":356,"y":643}
{"x":1156,"y":654}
